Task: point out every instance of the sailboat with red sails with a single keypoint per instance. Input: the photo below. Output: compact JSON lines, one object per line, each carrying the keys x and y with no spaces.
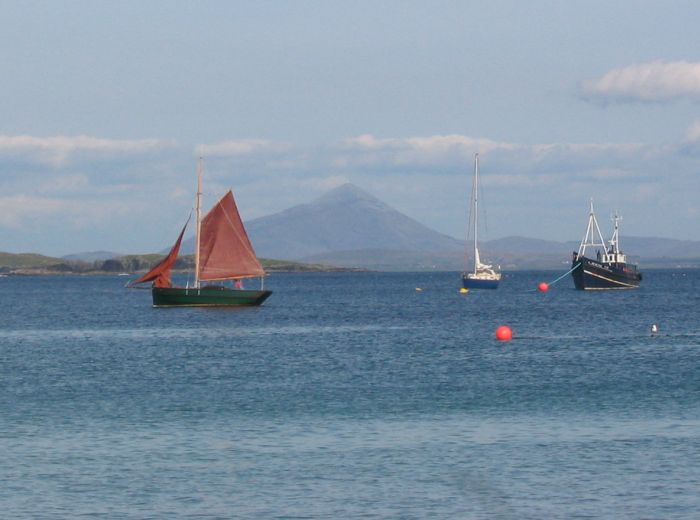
{"x":223,"y":252}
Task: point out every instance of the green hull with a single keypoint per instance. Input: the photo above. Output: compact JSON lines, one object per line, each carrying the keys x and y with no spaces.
{"x":206,"y":297}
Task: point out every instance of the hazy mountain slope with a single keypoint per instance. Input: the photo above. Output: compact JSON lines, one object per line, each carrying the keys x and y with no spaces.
{"x":524,"y":245}
{"x":344,"y":219}
{"x":515,"y":253}
{"x":649,"y":247}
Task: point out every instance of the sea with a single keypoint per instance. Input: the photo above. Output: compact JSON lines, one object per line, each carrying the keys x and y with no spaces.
{"x":352,"y":395}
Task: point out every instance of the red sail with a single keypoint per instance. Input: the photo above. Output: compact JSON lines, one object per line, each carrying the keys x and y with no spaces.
{"x":160,"y":274}
{"x":225,"y":251}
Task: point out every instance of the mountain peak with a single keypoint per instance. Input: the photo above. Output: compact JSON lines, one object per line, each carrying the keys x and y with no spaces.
{"x":345,"y":218}
{"x":347,"y":193}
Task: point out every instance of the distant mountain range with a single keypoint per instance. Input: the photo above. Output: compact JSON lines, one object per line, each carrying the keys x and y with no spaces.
{"x":344,"y":219}
{"x":515,"y":253}
{"x":348,"y":227}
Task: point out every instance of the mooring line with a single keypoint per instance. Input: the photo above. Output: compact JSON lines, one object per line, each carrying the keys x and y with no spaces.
{"x":562,"y":276}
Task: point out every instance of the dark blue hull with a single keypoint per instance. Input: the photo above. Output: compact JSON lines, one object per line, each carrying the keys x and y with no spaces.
{"x":470,"y":283}
{"x":592,"y":275}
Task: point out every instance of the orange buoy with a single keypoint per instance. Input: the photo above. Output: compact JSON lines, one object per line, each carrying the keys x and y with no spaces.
{"x":504,"y":333}
{"x":543,"y":287}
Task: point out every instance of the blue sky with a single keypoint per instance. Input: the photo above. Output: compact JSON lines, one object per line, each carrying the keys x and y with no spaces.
{"x":106,"y":106}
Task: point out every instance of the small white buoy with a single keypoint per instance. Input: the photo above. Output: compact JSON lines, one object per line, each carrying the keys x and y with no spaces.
{"x":418,"y":289}
{"x":654,"y":328}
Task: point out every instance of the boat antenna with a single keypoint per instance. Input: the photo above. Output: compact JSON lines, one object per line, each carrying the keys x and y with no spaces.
{"x":615,"y":239}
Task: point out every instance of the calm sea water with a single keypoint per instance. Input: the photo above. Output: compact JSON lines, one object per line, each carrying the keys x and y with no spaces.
{"x":351,"y":396}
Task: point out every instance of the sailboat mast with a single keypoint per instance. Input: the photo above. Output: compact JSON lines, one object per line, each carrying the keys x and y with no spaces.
{"x":198,"y":226}
{"x":476,"y":209}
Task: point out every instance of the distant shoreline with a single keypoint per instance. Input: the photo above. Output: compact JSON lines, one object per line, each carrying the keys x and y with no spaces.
{"x":29,"y":264}
{"x":8,"y":272}
{"x":26,"y":272}
{"x":350,"y":261}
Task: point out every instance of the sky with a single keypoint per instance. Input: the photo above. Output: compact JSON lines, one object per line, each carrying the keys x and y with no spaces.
{"x":106,"y":106}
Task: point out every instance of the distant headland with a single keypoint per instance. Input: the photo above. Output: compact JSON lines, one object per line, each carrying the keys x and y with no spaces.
{"x":30,"y":264}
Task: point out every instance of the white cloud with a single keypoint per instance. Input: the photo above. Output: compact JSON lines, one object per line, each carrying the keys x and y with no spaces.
{"x":440,"y":144}
{"x":586,"y":149}
{"x":326,"y":183}
{"x":612,"y":174}
{"x":18,"y":208}
{"x":240,"y":147}
{"x":691,"y":141}
{"x":653,"y":81}
{"x":64,"y":184}
{"x":507,"y":163}
{"x":437,"y":150}
{"x":693,"y":133}
{"x":23,"y":211}
{"x":432,"y":145}
{"x":58,"y":150}
{"x":645,"y":193}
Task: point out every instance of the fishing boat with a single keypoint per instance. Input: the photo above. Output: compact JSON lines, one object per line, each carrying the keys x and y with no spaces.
{"x":610,"y":269}
{"x":484,"y":276}
{"x":223,"y":252}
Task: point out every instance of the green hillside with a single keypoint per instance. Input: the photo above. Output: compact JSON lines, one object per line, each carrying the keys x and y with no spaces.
{"x":14,"y":260}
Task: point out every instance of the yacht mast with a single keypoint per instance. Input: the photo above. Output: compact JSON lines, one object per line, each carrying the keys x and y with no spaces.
{"x":198,"y":226}
{"x":476,"y":210}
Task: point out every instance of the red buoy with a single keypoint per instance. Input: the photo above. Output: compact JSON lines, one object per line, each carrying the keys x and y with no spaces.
{"x":503,"y":333}
{"x":543,"y":287}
